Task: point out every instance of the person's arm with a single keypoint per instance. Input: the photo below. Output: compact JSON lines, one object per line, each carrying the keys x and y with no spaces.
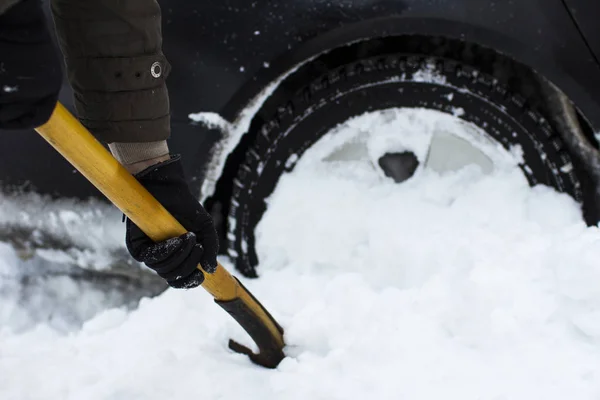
{"x":115,"y":64}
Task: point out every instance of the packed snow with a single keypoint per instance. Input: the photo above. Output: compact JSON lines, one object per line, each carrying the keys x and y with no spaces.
{"x":454,"y":285}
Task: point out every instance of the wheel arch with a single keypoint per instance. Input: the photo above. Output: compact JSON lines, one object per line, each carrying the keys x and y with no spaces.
{"x":520,"y":51}
{"x":311,"y":58}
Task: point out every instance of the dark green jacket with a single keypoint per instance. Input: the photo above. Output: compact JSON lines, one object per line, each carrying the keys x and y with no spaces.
{"x":113,"y":54}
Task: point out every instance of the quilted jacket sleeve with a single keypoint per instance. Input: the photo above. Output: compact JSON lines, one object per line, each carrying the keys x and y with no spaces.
{"x":115,"y":64}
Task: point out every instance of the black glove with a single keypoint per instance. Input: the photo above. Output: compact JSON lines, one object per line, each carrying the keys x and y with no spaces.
{"x":176,"y":259}
{"x":30,"y":69}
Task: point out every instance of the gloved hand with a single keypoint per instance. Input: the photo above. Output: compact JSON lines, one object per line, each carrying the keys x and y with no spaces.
{"x":176,"y":259}
{"x":30,"y":69}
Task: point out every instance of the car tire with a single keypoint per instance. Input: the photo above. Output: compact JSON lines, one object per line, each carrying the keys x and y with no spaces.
{"x":382,"y":82}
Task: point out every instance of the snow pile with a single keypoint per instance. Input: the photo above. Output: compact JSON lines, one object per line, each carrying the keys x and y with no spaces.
{"x":456,"y":286}
{"x":71,"y":263}
{"x":63,"y":297}
{"x":86,"y":233}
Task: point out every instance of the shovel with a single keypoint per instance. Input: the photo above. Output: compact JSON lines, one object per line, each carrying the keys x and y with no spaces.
{"x":76,"y":144}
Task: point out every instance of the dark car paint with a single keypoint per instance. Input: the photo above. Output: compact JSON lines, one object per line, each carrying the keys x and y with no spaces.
{"x":224,"y":53}
{"x":539,"y":33}
{"x":586,"y":14}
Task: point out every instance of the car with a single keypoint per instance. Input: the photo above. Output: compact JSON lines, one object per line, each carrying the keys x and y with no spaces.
{"x":254,"y":84}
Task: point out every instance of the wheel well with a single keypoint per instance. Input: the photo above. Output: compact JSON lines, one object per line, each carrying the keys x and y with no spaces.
{"x":515,"y":76}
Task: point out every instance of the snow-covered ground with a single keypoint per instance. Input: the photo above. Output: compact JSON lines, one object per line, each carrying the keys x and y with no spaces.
{"x":460,"y":285}
{"x":59,"y":295}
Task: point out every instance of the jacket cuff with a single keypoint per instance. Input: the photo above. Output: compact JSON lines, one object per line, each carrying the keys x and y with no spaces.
{"x":131,"y":153}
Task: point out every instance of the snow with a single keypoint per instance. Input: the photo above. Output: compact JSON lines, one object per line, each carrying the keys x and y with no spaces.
{"x":398,"y":130}
{"x":429,"y":73}
{"x":9,"y":89}
{"x":458,"y":111}
{"x":88,"y":228}
{"x":211,"y":120}
{"x":35,"y":291}
{"x":460,"y":285}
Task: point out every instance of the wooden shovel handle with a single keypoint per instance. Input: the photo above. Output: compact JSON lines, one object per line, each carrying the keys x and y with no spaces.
{"x":76,"y":144}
